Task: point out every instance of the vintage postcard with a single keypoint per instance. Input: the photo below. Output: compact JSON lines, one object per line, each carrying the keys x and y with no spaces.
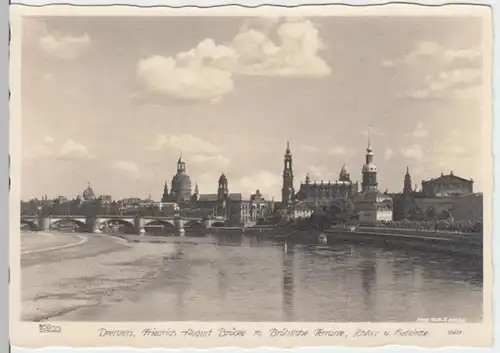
{"x":309,"y":176}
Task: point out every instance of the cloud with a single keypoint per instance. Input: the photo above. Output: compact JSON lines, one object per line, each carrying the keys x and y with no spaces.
{"x":450,"y":72}
{"x":64,"y":47}
{"x":194,"y":149}
{"x":448,"y":84}
{"x":73,"y":150}
{"x":338,"y":151}
{"x":308,"y":148}
{"x":205,"y":72}
{"x":320,"y":172}
{"x":162,"y":75}
{"x":420,"y":131}
{"x":40,"y":150}
{"x":214,"y":160}
{"x":131,"y":170}
{"x":296,"y":54}
{"x":425,"y":51}
{"x":389,"y":153}
{"x":413,"y":152}
{"x":454,"y":144}
{"x":70,"y":149}
{"x":128,"y":166}
{"x":185,"y":143}
{"x":373,"y":131}
{"x":267,"y":182}
{"x":48,"y":140}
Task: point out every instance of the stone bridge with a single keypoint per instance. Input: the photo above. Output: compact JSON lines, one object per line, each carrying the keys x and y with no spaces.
{"x":96,"y":223}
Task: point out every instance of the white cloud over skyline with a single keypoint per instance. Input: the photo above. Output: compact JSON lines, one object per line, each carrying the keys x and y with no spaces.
{"x":64,"y":47}
{"x":68,"y":150}
{"x":272,"y":79}
{"x":205,"y":72}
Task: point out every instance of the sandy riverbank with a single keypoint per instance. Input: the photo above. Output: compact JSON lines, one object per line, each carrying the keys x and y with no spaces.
{"x":36,"y":241}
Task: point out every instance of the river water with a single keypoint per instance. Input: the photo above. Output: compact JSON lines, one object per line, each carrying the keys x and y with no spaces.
{"x":251,"y":281}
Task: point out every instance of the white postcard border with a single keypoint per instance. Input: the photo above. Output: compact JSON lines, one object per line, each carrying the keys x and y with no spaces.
{"x":477,"y":334}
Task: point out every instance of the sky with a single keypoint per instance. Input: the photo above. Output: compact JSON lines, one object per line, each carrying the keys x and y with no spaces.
{"x":115,"y":101}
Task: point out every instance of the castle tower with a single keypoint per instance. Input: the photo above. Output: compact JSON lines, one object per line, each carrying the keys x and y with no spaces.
{"x":369,"y":170}
{"x":287,"y":192}
{"x":407,"y":183}
{"x":222,"y":207}
{"x":165,"y":195}
{"x":223,"y":189}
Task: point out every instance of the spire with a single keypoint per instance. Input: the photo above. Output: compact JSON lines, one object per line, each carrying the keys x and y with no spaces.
{"x":196,"y":191}
{"x":407,"y":182}
{"x":344,"y":175}
{"x":287,"y":191}
{"x":165,"y":196}
{"x":181,"y":165}
{"x":369,"y":147}
{"x":369,"y":169}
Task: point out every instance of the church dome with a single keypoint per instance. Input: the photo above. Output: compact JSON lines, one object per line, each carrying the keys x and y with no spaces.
{"x":88,"y":193}
{"x":181,"y":181}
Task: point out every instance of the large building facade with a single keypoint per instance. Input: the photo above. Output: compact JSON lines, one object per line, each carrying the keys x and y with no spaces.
{"x":315,"y":193}
{"x":447,"y":197}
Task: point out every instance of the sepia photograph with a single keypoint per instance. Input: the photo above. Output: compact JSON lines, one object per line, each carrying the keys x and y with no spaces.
{"x":252,"y":166}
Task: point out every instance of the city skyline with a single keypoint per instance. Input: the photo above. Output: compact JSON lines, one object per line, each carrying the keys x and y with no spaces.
{"x":418,"y":87}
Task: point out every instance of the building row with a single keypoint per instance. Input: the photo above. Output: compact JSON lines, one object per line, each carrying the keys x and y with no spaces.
{"x":447,"y":197}
{"x":368,"y":204}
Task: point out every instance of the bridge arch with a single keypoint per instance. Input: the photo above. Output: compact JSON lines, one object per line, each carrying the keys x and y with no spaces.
{"x":193,"y":224}
{"x":218,"y":224}
{"x":30,"y":223}
{"x":119,"y":221}
{"x":67,"y":220}
{"x":165,"y":223}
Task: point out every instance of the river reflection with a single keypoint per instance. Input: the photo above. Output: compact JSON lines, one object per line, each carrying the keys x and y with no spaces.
{"x":248,"y":282}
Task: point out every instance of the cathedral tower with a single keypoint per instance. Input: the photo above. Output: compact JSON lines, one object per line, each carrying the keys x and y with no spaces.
{"x":287,"y":192}
{"x":407,"y":184}
{"x":223,"y":189}
{"x":369,"y":170}
{"x":222,"y":206}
